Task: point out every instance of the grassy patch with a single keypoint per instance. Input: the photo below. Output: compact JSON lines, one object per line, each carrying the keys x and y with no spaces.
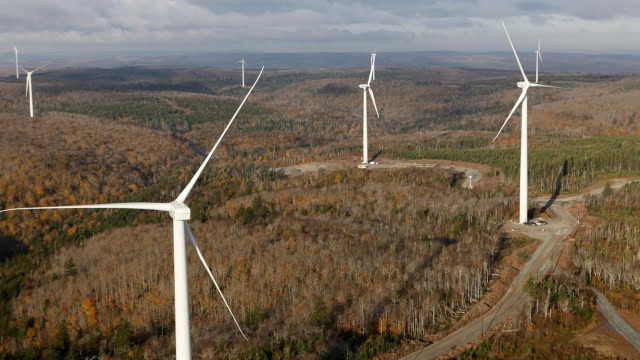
{"x":511,"y":244}
{"x":574,"y":163}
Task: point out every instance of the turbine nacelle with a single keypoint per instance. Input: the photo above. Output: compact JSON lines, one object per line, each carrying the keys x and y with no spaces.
{"x":524,"y":84}
{"x":179,"y":211}
{"x":364,"y":86}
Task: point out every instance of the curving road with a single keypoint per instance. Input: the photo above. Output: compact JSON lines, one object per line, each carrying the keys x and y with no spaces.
{"x":472,"y":175}
{"x":618,"y":323}
{"x":552,"y":237}
{"x":551,"y":243}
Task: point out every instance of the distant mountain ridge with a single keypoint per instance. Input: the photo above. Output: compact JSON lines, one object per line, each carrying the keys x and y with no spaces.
{"x":553,"y":62}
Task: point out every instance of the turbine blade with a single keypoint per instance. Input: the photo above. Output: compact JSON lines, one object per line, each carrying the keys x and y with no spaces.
{"x":374,"y":102}
{"x":23,"y":69}
{"x":204,"y":263}
{"x":26,"y":90}
{"x":183,"y":195}
{"x":540,"y":56}
{"x":135,"y":206}
{"x":514,"y":53}
{"x":370,"y":74}
{"x":547,"y":86}
{"x":41,"y":67}
{"x":524,"y":93}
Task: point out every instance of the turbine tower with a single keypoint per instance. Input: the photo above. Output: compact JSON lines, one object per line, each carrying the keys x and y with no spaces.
{"x":538,"y":57}
{"x":365,"y":144}
{"x":524,"y":181}
{"x":243,"y":64}
{"x":29,"y":89}
{"x":180,"y":213}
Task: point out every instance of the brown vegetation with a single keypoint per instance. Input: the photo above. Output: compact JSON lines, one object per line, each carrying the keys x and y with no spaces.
{"x":340,"y":263}
{"x":608,"y":254}
{"x":343,"y":251}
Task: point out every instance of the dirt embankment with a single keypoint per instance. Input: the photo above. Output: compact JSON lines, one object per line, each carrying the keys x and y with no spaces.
{"x":603,"y":338}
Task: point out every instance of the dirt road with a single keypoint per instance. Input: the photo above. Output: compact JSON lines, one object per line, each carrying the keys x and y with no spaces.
{"x":541,"y":262}
{"x":473,"y":173}
{"x":551,"y":237}
{"x":612,"y":316}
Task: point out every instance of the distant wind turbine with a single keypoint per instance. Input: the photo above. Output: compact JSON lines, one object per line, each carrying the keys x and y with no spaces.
{"x":180,"y":213}
{"x":538,"y":57}
{"x":373,"y":64}
{"x":365,"y":144}
{"x":243,"y":64}
{"x":524,"y":181}
{"x":29,"y":88}
{"x":15,"y":50}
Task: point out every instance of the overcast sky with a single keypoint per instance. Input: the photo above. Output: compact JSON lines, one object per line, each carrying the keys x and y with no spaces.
{"x":589,"y":26}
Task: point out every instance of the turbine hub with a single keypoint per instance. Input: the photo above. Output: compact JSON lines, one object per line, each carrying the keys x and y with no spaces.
{"x":180,"y":211}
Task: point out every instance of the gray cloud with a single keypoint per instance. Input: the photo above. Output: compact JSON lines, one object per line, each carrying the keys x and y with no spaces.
{"x":317,"y":25}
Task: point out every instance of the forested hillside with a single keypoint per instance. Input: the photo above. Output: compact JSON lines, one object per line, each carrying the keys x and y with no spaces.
{"x":332,"y":264}
{"x":295,"y":259}
{"x":607,"y":252}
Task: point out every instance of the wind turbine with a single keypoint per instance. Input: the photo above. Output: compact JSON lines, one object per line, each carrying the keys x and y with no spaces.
{"x":524,"y":181}
{"x":365,"y":144}
{"x":29,"y":89}
{"x":538,"y":57}
{"x":15,"y":50}
{"x":373,"y":64}
{"x":180,"y":213}
{"x":243,"y":64}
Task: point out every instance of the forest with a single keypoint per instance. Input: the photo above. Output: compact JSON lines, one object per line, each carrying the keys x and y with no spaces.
{"x":557,"y":308}
{"x":607,"y":253}
{"x":334,"y":264}
{"x":305,"y":233}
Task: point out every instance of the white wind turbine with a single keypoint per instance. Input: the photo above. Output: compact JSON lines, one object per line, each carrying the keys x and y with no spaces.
{"x":524,"y":181}
{"x":243,"y":64}
{"x":29,"y":89}
{"x":373,"y":64}
{"x":538,"y":57}
{"x":365,"y":87}
{"x":180,"y":213}
{"x":15,"y":50}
